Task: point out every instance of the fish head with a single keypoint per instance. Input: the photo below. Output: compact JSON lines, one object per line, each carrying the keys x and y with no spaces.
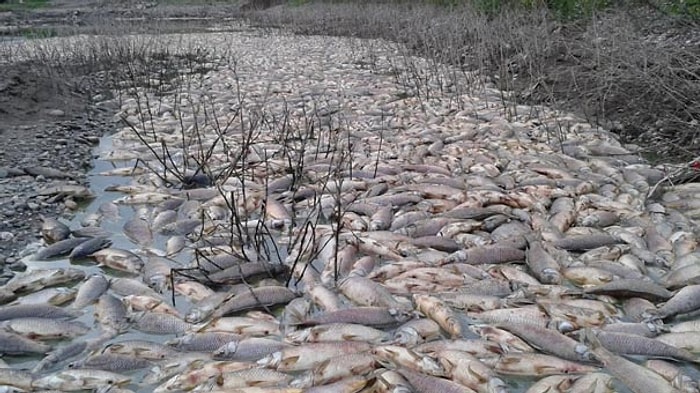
{"x":431,"y":366}
{"x":196,"y":315}
{"x":550,"y":276}
{"x":584,"y":353}
{"x":406,"y":336}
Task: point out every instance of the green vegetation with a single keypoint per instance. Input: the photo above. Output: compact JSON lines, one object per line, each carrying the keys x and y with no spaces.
{"x":38,"y":32}
{"x":17,"y":5}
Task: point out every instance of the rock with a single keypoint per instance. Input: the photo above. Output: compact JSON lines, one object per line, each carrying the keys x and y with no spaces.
{"x":55,"y":112}
{"x":6,"y":236}
{"x":70,"y":204}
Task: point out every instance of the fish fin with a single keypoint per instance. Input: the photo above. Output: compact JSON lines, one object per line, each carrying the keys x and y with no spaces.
{"x":541,"y":370}
{"x":476,"y":375}
{"x":447,"y":364}
{"x":509,"y":360}
{"x":349,"y":337}
{"x":322,"y":365}
{"x":289,"y":361}
{"x":240,"y":329}
{"x":588,"y":337}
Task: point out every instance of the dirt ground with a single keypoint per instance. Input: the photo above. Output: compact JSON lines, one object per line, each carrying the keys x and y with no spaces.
{"x":42,"y":125}
{"x":50,"y":122}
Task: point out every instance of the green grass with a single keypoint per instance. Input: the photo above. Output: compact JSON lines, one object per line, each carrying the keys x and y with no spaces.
{"x":15,"y":5}
{"x":38,"y":32}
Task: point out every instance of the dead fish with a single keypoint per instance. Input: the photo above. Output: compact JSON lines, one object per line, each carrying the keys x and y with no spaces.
{"x":53,"y":230}
{"x":428,"y":384}
{"x":35,"y":310}
{"x":365,"y":292}
{"x":203,"y":342}
{"x":80,"y":379}
{"x":42,"y":278}
{"x":506,"y":316}
{"x":542,"y":265}
{"x":195,"y":373}
{"x":61,"y":354}
{"x":631,"y":288}
{"x":89,"y":291}
{"x":52,"y":296}
{"x":439,"y":312}
{"x":138,"y":231}
{"x":60,"y":248}
{"x":337,"y":368}
{"x":416,"y":331}
{"x":248,"y":349}
{"x":394,"y":355}
{"x":142,"y":349}
{"x":688,"y":341}
{"x":110,"y":312}
{"x":45,"y":328}
{"x":485,"y":255}
{"x":180,"y":227}
{"x":149,"y":303}
{"x":324,"y":298}
{"x":125,"y":286}
{"x":308,"y":356}
{"x":157,"y":271}
{"x":684,"y":301}
{"x":73,"y":191}
{"x":584,"y":242}
{"x":673,"y":374}
{"x":549,"y":341}
{"x":535,"y":364}
{"x":119,"y":259}
{"x":644,"y":329}
{"x":471,"y":372}
{"x":14,"y":344}
{"x":205,"y":307}
{"x":89,"y":247}
{"x":245,"y":326}
{"x":637,"y":309}
{"x":247,"y":271}
{"x":637,"y":378}
{"x":109,"y":210}
{"x":593,"y":383}
{"x":252,"y":298}
{"x":157,"y":323}
{"x":351,"y":384}
{"x":20,"y":379}
{"x":111,"y":362}
{"x":338,"y":332}
{"x":253,"y":377}
{"x":371,"y":316}
{"x":552,"y":384}
{"x":622,"y":343}
{"x":381,"y":219}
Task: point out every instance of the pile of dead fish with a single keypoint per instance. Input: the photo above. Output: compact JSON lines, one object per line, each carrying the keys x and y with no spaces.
{"x":448,"y":250}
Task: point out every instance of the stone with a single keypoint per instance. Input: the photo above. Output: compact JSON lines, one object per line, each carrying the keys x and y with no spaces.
{"x":55,"y":112}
